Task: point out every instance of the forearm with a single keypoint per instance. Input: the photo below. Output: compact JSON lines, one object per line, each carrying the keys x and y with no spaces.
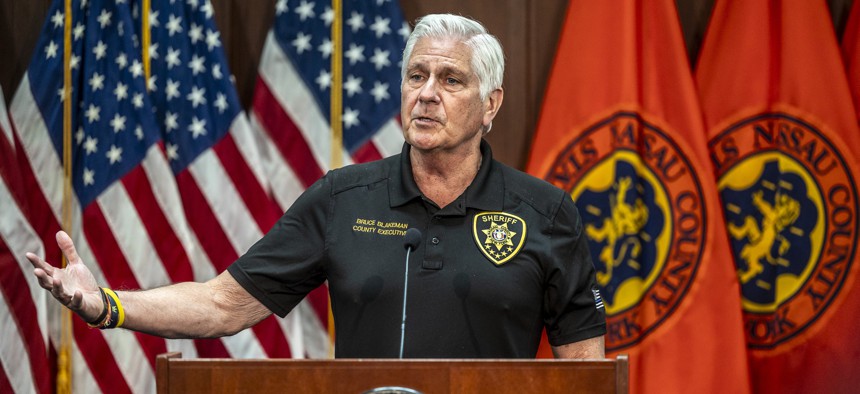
{"x":192,"y":310}
{"x":593,"y":348}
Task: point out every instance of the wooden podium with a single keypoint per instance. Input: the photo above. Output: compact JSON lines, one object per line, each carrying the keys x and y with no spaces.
{"x":177,"y":375}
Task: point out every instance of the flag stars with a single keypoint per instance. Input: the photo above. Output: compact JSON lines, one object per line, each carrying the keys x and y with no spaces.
{"x":120,"y":91}
{"x":196,"y":33}
{"x":137,"y":100}
{"x":122,"y":61}
{"x":196,"y":65}
{"x":136,"y":68}
{"x":325,"y":48}
{"x":281,"y":7}
{"x":355,"y":21}
{"x":380,"y":26}
{"x":78,"y":31}
{"x":92,"y":113}
{"x":118,"y":123}
{"x":138,"y":132}
{"x":379,"y":91}
{"x":153,"y":50}
{"x":104,"y":18}
{"x":79,"y":135}
{"x":324,"y":80}
{"x":197,"y":96}
{"x":380,"y":59}
{"x":172,"y":58}
{"x":171,"y":91}
{"x":350,"y":117}
{"x":74,"y":61}
{"x":89,"y":177}
{"x":207,"y":9}
{"x":197,"y":127}
{"x":352,"y":86}
{"x":114,"y":154}
{"x":172,"y":151}
{"x":171,"y":121}
{"x":305,"y":10}
{"x":96,"y":81}
{"x":404,"y":31}
{"x":91,"y":145}
{"x":328,"y":16}
{"x":153,"y":18}
{"x":151,"y":83}
{"x":355,"y":53}
{"x":100,"y":50}
{"x":174,"y":25}
{"x":193,"y":4}
{"x":302,"y":42}
{"x":51,"y":50}
{"x":58,"y":19}
{"x":213,"y":39}
{"x":216,"y":71}
{"x":221,"y":103}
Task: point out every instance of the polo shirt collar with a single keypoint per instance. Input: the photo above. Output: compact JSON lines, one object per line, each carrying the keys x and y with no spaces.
{"x":486,"y":192}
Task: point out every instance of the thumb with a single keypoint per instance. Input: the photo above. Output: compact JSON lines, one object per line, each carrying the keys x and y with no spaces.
{"x":68,"y":247}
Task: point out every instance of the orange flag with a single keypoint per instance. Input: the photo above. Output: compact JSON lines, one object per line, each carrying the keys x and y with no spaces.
{"x":784,"y":141}
{"x":621,"y":130}
{"x":851,"y":55}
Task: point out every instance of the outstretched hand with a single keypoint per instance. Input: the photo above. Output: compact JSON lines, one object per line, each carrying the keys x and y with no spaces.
{"x":74,"y":286}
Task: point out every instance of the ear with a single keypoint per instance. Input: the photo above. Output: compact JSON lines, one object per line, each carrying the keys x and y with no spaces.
{"x":492,"y":105}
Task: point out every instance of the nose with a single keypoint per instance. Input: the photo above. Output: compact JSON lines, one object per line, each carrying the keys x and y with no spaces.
{"x":428,"y":93}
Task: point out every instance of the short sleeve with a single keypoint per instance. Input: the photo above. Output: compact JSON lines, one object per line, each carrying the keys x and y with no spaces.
{"x":571,"y":311}
{"x":288,"y":262}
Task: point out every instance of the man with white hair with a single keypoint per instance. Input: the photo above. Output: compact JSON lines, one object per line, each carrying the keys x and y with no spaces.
{"x":501,"y":255}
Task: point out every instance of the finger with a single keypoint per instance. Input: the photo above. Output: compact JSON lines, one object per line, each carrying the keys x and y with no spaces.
{"x":44,"y":279}
{"x":68,"y":247}
{"x":37,"y":262}
{"x":57,"y":292}
{"x":77,"y":300}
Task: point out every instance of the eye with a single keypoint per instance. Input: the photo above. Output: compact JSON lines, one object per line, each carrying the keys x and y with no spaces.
{"x":452,"y":81}
{"x":416,"y":77}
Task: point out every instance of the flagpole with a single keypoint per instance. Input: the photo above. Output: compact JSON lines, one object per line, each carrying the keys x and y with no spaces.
{"x":146,"y":37}
{"x":336,"y":108}
{"x":64,"y":367}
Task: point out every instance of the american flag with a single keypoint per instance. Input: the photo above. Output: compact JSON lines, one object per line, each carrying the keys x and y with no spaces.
{"x":170,"y":182}
{"x":293,"y":92}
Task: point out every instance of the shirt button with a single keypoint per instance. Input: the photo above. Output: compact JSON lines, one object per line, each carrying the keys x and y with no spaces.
{"x":435,"y":241}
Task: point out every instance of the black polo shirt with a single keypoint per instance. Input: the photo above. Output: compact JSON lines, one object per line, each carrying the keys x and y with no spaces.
{"x":494,"y":267}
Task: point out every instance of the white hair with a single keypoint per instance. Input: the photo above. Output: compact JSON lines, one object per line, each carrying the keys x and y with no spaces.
{"x":488,"y":59}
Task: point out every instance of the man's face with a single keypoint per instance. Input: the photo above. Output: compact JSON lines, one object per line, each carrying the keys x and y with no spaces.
{"x":441,"y":106}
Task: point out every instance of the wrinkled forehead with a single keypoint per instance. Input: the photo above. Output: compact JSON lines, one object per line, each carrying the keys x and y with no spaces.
{"x":451,"y":51}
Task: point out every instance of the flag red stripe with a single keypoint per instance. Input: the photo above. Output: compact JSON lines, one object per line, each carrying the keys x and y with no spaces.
{"x":116,"y":269}
{"x":163,"y":238}
{"x":211,"y":348}
{"x":202,"y":220}
{"x":285,"y":134}
{"x":99,"y":358}
{"x":221,"y":253}
{"x":366,"y":153}
{"x":272,"y":338}
{"x":262,"y":208}
{"x":5,"y":387}
{"x":24,"y":314}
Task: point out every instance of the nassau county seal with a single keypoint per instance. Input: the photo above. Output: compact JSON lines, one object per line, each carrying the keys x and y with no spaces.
{"x":791,"y":215}
{"x":642,"y":209}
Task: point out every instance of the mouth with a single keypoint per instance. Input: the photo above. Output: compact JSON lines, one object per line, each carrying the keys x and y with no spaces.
{"x":424,"y":120}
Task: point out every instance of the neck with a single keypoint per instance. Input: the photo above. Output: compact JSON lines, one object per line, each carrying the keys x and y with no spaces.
{"x":444,"y":176}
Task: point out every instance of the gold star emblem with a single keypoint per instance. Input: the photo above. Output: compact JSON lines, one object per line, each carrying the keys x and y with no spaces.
{"x":498,"y":235}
